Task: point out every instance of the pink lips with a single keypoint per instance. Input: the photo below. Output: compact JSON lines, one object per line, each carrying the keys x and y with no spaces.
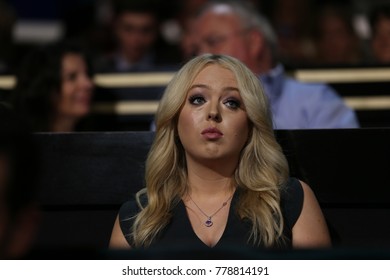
{"x":212,"y":133}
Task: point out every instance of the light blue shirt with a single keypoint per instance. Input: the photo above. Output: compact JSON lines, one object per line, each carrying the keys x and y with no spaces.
{"x":297,"y":105}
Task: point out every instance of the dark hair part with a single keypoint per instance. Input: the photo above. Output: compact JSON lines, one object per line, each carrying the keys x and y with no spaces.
{"x":39,"y":81}
{"x":136,"y":6}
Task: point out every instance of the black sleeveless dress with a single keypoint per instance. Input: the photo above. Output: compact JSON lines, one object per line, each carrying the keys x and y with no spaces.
{"x":179,"y":233}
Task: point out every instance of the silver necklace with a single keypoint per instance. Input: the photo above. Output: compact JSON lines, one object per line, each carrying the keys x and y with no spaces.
{"x":209,"y":222}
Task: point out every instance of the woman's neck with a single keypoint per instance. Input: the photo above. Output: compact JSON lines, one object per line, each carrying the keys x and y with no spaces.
{"x":210,"y":181}
{"x":63,"y":125}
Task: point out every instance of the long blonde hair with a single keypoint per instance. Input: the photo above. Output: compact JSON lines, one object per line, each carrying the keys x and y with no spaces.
{"x":262,"y":168}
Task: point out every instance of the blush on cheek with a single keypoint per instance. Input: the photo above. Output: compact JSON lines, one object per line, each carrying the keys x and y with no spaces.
{"x":187,"y":120}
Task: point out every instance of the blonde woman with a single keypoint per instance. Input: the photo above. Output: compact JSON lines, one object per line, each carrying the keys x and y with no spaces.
{"x":215,"y":175}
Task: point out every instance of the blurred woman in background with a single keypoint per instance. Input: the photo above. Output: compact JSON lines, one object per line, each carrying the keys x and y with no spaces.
{"x":54,"y":88}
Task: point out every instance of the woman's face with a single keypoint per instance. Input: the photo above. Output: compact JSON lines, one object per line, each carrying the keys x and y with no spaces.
{"x":381,"y":40}
{"x":213,"y":123}
{"x":76,"y":88}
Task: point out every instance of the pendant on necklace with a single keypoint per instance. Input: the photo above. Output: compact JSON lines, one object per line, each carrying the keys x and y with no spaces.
{"x":208,"y":223}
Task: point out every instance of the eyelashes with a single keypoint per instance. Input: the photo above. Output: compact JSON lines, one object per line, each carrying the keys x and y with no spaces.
{"x":198,"y":99}
{"x":233,"y":103}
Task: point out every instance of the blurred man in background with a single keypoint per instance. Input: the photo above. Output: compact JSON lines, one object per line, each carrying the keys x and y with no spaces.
{"x":380,"y":27}
{"x":232,"y":28}
{"x":138,"y":47}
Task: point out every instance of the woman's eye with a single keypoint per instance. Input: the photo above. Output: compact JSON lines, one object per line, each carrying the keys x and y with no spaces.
{"x":232,"y":103}
{"x":71,"y":76}
{"x":197,"y":100}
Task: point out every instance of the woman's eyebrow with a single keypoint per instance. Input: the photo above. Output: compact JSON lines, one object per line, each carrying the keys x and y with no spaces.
{"x":208,"y":87}
{"x":231,"y":89}
{"x":200,"y":86}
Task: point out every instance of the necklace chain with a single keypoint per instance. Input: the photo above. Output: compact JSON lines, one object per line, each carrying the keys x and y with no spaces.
{"x":209,"y":222}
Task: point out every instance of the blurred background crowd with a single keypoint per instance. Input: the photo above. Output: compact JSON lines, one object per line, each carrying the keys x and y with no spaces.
{"x":310,"y":32}
{"x":55,"y":48}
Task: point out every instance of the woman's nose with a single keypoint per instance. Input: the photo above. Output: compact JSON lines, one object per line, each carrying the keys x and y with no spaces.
{"x":86,"y":82}
{"x":214,"y":113}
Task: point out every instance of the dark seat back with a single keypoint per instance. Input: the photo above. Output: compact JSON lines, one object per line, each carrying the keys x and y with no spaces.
{"x":87,"y":176}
